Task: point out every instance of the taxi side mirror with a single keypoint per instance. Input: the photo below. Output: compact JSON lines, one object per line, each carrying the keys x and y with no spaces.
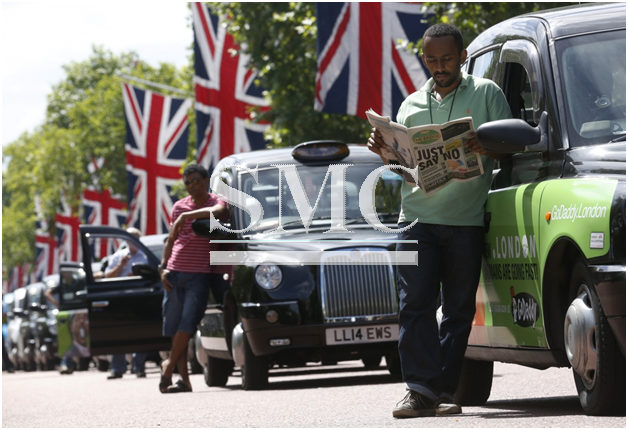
{"x":201,"y":228}
{"x":146,"y":271}
{"x":509,"y":136}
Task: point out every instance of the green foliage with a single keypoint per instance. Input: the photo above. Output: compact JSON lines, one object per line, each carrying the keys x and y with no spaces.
{"x":84,"y":120}
{"x":473,"y":18}
{"x":281,"y":41}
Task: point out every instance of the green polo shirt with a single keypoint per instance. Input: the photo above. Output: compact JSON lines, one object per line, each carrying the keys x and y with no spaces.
{"x":458,"y":203}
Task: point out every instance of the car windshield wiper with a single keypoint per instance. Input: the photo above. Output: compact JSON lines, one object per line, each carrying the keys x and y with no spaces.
{"x":298,"y":221}
{"x":620,"y":138}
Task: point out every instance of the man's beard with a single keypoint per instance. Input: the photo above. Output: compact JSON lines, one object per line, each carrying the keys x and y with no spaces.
{"x":449,"y":82}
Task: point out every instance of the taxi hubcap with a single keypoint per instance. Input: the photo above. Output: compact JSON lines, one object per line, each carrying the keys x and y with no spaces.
{"x":580,"y":343}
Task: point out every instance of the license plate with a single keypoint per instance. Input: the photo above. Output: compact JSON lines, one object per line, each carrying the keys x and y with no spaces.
{"x":362,"y":334}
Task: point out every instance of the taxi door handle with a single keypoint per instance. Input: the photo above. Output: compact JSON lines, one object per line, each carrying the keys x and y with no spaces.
{"x":100,"y":304}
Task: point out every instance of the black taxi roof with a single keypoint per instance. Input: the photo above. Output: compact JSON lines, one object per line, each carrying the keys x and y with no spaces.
{"x":358,"y":153}
{"x":555,"y":23}
{"x":585,"y":18}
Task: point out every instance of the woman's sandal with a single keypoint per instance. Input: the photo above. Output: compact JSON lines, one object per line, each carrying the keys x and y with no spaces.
{"x":179,"y":387}
{"x":164,"y":382}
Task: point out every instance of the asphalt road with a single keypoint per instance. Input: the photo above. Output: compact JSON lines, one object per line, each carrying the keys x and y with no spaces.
{"x":345,"y":395}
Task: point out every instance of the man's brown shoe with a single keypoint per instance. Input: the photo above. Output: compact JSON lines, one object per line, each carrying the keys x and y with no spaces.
{"x":414,"y":405}
{"x":448,"y":407}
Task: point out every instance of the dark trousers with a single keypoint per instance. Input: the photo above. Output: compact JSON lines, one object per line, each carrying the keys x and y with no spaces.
{"x":449,"y":257}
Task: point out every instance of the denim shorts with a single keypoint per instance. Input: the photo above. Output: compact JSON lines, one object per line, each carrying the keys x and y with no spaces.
{"x":184,"y":306}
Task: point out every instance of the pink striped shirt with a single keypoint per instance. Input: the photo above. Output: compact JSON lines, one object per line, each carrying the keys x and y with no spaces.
{"x":190,"y":252}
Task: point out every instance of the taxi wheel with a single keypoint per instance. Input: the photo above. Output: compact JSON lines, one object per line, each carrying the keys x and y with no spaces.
{"x":597,"y":363}
{"x":393,"y":364}
{"x":217,"y":371}
{"x":372,"y":362}
{"x":476,"y":381}
{"x":254,"y":370}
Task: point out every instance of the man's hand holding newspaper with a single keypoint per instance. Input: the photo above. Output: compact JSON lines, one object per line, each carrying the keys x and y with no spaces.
{"x":437,"y":151}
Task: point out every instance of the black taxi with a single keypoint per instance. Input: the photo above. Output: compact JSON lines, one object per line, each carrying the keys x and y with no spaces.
{"x":553,"y":287}
{"x":310,"y":250}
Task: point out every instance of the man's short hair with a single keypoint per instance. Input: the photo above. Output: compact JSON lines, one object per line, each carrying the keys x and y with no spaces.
{"x":195,"y":168}
{"x":442,"y":30}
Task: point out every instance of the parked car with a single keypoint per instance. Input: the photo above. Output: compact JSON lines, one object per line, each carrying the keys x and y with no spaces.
{"x":15,"y":314}
{"x":45,"y":316}
{"x":553,"y":287}
{"x":124,"y":313}
{"x":7,"y":315}
{"x":27,"y":339}
{"x":298,"y":294}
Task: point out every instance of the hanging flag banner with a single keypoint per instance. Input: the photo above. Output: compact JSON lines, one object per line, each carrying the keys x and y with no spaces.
{"x":225,"y":92}
{"x":156,"y":147}
{"x":67,"y":226}
{"x":46,"y":258}
{"x":360,"y":65}
{"x":101,"y":207}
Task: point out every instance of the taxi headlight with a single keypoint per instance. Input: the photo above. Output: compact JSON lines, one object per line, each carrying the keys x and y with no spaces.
{"x":268,"y":276}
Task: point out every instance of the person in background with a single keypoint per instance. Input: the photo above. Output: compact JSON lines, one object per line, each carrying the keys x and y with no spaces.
{"x":79,"y":328}
{"x":187,"y":275}
{"x":121,"y":264}
{"x":447,"y":234}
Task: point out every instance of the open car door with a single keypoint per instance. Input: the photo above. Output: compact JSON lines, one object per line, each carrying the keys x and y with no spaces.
{"x":124,"y":312}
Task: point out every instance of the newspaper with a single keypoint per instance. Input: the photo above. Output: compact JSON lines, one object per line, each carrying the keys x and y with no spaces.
{"x":437,"y":150}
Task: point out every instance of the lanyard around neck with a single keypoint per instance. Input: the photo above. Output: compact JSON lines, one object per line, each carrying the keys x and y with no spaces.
{"x":450,"y":108}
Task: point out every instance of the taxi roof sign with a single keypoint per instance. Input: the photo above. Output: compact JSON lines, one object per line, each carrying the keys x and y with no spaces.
{"x":320,"y":150}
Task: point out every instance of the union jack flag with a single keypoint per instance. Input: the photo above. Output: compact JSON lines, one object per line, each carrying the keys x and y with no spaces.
{"x":67,"y":225}
{"x":359,"y":63}
{"x":15,"y":278}
{"x":156,"y":147}
{"x":225,"y":92}
{"x":45,"y":255}
{"x":45,"y":246}
{"x":100,"y":207}
{"x":18,"y":277}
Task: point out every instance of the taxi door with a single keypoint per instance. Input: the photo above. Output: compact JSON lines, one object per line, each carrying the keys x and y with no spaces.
{"x":509,"y":302}
{"x":124,"y":312}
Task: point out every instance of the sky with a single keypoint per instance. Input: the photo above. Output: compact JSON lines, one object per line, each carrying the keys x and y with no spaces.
{"x":38,"y":37}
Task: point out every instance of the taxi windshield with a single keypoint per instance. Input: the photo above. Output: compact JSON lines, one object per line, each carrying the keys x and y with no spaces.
{"x":318,"y":192}
{"x":594,"y":85}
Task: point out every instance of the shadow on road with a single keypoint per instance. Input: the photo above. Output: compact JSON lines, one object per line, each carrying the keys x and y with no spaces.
{"x":334,"y":377}
{"x":536,"y":407}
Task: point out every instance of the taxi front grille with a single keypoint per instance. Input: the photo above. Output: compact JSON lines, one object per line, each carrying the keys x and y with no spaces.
{"x":357,"y":292}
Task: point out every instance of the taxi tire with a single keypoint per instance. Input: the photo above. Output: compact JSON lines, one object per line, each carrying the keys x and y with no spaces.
{"x":254,"y":370}
{"x":603,"y":390}
{"x":476,"y":381}
{"x":372,"y":362}
{"x":217,"y":371}
{"x":393,"y":364}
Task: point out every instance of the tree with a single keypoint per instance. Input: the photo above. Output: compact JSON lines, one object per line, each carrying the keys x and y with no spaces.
{"x":84,"y":120}
{"x":473,"y":18}
{"x":281,"y":41}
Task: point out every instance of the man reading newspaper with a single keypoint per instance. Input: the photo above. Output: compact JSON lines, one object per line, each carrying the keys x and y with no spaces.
{"x":445,"y":222}
{"x":437,"y":151}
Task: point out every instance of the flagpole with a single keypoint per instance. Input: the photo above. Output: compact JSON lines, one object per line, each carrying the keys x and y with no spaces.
{"x":152,"y":84}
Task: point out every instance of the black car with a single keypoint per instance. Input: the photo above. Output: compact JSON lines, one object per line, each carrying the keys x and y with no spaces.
{"x":123,"y":313}
{"x":306,"y":284}
{"x":553,"y":287}
{"x":44,"y":316}
{"x":30,"y":308}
